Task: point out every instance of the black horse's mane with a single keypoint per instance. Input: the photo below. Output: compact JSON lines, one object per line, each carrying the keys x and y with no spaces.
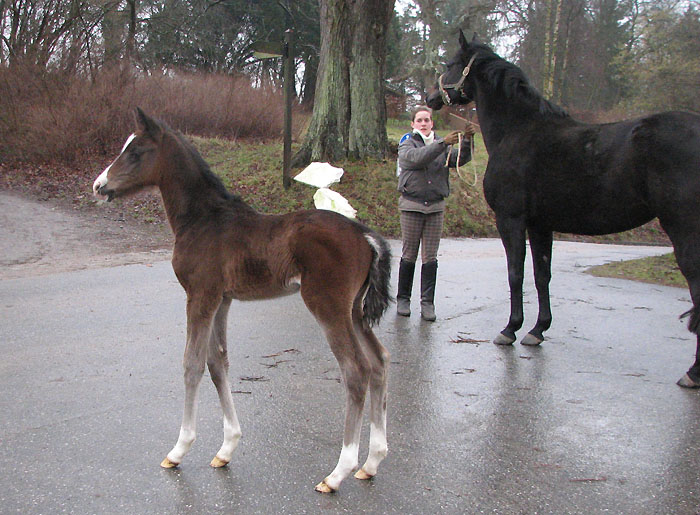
{"x":512,"y":81}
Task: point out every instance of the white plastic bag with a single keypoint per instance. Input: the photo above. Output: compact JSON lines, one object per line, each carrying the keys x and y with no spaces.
{"x":331,"y":200}
{"x":320,"y":175}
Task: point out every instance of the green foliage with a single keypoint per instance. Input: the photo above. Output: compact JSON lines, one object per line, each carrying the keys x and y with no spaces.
{"x":662,"y":72}
{"x":217,"y":36}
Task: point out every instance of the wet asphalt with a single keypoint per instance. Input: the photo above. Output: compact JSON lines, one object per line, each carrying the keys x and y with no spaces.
{"x":589,"y":422}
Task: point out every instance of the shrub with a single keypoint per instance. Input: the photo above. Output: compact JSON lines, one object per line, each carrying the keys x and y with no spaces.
{"x":48,"y":115}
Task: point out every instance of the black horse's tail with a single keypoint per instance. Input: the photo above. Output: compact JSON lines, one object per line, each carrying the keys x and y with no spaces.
{"x":694,"y":322}
{"x":377,"y":297}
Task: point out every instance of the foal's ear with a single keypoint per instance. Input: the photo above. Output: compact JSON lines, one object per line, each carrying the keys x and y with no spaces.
{"x":148,"y":124}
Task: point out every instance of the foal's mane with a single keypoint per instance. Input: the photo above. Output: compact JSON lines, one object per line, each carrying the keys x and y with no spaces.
{"x":512,"y":81}
{"x":210,"y":178}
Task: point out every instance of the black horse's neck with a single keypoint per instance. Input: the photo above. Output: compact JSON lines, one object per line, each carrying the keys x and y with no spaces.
{"x":190,"y":190}
{"x":505,"y":99}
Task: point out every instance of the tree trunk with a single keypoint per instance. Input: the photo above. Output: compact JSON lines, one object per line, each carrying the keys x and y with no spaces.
{"x":327,"y":135}
{"x":367,"y":136}
{"x":551,"y":43}
{"x":349,"y":115}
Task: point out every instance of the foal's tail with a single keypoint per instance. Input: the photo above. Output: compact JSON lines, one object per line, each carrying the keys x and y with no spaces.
{"x":377,"y":297}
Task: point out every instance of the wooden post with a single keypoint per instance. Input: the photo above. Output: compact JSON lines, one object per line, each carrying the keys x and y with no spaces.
{"x":288,"y":62}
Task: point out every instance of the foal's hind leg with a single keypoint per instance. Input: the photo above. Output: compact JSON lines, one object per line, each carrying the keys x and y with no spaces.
{"x":217,"y":361}
{"x":354,"y":368}
{"x":200,"y":312}
{"x":541,"y":250}
{"x":379,"y":362}
{"x":334,"y":316}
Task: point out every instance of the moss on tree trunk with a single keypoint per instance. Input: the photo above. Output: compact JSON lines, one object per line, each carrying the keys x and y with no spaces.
{"x":349,"y":115}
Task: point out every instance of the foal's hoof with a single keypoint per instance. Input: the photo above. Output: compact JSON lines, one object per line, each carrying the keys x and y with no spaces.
{"x":502,"y":339}
{"x":218,"y":462}
{"x":324,"y":488}
{"x":531,"y":340}
{"x":167,"y":464}
{"x":361,"y":474}
{"x":687,"y":382}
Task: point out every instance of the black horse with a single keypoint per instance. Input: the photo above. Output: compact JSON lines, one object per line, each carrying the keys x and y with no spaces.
{"x":548,"y":172}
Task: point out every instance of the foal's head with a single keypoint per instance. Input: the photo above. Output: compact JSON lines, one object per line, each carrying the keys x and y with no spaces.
{"x":136,"y":166}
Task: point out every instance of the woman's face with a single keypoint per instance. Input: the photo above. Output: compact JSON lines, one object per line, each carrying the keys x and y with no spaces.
{"x":423,"y":122}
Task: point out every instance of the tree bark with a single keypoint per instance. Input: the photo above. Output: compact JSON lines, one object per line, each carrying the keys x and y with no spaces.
{"x":367,"y":136}
{"x":327,"y":135}
{"x":349,"y":115}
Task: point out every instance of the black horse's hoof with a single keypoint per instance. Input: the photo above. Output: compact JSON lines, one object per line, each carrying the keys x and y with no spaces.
{"x":502,"y":339}
{"x":531,"y":340}
{"x":687,"y":382}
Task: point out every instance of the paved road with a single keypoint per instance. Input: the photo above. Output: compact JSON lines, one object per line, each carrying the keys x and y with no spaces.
{"x":590,"y":422}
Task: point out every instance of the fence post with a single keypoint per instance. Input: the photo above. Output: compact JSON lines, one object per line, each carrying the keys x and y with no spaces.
{"x":288,"y":62}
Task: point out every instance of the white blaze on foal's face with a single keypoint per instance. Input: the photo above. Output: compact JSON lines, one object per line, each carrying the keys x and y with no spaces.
{"x":101,"y":181}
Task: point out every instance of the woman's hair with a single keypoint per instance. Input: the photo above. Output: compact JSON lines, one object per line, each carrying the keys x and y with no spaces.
{"x":420,"y":109}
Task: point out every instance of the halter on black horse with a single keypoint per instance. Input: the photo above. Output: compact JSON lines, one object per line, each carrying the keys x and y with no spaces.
{"x":457,"y":86}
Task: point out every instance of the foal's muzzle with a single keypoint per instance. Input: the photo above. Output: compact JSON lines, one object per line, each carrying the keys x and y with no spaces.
{"x":105,"y":193}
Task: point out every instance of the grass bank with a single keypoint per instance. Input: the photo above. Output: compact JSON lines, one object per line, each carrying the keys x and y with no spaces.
{"x":657,"y":270}
{"x":253,"y":170}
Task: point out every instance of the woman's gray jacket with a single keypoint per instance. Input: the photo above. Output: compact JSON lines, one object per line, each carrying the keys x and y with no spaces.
{"x":423,"y":175}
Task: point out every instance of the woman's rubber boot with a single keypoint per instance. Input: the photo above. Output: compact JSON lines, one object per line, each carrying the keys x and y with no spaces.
{"x":428,"y":275}
{"x":403,"y":298}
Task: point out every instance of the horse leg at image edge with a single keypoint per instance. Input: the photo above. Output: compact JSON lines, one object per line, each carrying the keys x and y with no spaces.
{"x":691,"y":379}
{"x":684,"y":242}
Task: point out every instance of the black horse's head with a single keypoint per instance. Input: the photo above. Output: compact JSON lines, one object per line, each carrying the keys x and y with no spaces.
{"x":453,"y":86}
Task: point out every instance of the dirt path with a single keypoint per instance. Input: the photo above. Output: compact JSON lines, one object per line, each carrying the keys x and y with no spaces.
{"x":43,"y":237}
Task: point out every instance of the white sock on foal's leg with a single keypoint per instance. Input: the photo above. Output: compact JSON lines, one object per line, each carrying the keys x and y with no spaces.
{"x":347,"y":463}
{"x":182,"y":447}
{"x":377,"y":451}
{"x":232,"y":435}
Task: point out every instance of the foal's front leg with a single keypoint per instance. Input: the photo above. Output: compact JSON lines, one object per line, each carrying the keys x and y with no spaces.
{"x":199,"y":319}
{"x":217,"y":360}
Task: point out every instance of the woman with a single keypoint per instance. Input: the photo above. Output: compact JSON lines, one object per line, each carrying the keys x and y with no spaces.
{"x":424,"y":159}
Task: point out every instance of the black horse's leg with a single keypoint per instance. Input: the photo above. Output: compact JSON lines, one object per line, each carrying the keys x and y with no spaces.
{"x":691,"y":379}
{"x":541,"y":250}
{"x":512,"y":231}
{"x":685,"y":244}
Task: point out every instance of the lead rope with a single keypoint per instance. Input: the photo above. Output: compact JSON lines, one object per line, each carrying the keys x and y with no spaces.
{"x":459,"y":156}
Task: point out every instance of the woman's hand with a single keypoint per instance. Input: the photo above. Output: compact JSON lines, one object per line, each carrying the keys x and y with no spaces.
{"x":469,"y":130}
{"x":452,"y":138}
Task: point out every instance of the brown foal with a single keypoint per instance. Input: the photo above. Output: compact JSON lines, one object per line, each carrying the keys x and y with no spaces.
{"x":225,"y":250}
